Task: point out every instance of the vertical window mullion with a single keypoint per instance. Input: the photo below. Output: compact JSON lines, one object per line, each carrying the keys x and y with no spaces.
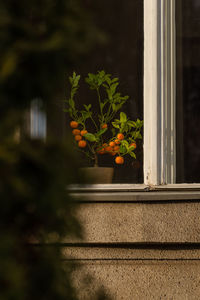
{"x":159,"y":92}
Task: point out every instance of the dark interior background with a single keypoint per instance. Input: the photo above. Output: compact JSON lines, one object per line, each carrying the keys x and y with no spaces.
{"x":120,"y":54}
{"x":188,"y":90}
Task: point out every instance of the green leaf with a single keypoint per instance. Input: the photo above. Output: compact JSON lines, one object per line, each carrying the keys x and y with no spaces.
{"x":122,"y":149}
{"x":71,"y":103}
{"x":113,"y":87}
{"x":125,"y":143}
{"x":114,"y":124}
{"x":123,"y":117}
{"x":138,"y":135}
{"x":132,"y":124}
{"x":113,"y":106}
{"x":102,"y":105}
{"x":113,"y":131}
{"x":114,"y":79}
{"x":86,"y":107}
{"x":100,"y":132}
{"x":132,"y":154}
{"x":90,"y":137}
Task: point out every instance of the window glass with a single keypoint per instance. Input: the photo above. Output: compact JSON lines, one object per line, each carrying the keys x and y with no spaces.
{"x":121,"y":54}
{"x":188,"y":90}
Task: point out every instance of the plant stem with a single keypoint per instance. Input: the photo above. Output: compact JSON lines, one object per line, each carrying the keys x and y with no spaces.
{"x":99,"y":98}
{"x":95,"y":160}
{"x":90,"y":148}
{"x":94,"y":123}
{"x":108,"y":113}
{"x":89,"y":156}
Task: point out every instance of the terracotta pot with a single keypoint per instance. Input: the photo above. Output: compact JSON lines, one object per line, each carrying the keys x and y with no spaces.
{"x":97,"y":175}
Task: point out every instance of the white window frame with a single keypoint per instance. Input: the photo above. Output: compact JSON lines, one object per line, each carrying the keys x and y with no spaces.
{"x":159,"y":109}
{"x":159,"y":118}
{"x":159,"y":92}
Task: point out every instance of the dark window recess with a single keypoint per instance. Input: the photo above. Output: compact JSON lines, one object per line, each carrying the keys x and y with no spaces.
{"x":122,"y":56}
{"x":188,"y":90}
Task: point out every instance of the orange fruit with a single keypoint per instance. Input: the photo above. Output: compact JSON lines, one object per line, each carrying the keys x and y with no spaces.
{"x":120,"y":136}
{"x":117,"y":142}
{"x":112,"y":144}
{"x":101,"y":151}
{"x":133,"y":145}
{"x":83,"y":132}
{"x":108,"y":149}
{"x":119,"y":160}
{"x":105,"y":145}
{"x":82,"y":144}
{"x":103,"y":126}
{"x":74,"y":124}
{"x":116,"y":148}
{"x":112,"y":153}
{"x":78,"y":137}
{"x":76,"y":131}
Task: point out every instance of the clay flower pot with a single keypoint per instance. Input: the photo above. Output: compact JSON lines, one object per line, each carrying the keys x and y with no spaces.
{"x":95,"y":175}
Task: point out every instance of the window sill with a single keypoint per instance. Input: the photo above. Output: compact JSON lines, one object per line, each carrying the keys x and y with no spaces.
{"x":136,"y":193}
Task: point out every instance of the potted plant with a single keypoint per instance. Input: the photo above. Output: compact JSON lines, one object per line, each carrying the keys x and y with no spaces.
{"x":98,"y":131}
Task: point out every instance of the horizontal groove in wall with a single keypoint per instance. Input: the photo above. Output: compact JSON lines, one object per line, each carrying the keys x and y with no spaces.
{"x":132,"y":259}
{"x":144,"y":245}
{"x":138,"y":197}
{"x":134,"y":252}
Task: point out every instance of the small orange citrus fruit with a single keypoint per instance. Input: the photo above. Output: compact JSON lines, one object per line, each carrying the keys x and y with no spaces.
{"x":75,"y":131}
{"x":101,"y":151}
{"x":82,"y":144}
{"x":83,"y":132}
{"x":78,"y":137}
{"x":108,"y":149}
{"x":133,"y":145}
{"x":117,"y":142}
{"x":120,"y":136}
{"x":103,"y":126}
{"x":112,"y":153}
{"x":105,"y":145}
{"x":116,"y":148}
{"x":112,"y":144}
{"x":119,"y":160}
{"x":74,"y":124}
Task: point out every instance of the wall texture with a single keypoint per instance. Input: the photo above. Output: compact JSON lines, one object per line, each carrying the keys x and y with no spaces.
{"x":144,"y":246}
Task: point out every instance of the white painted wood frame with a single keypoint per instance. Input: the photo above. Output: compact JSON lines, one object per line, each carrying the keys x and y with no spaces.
{"x":159,"y":92}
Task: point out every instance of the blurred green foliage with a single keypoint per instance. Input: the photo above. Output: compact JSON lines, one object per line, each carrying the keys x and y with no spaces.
{"x":35,"y":209}
{"x":40,"y":39}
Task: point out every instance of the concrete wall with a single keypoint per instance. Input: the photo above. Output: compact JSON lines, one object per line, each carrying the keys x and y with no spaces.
{"x":139,"y":249}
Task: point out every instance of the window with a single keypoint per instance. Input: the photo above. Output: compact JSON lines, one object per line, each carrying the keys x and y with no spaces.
{"x":171,"y":91}
{"x":37,"y":120}
{"x":121,"y":54}
{"x":188,"y":90}
{"x":159,"y":92}
{"x":155,"y":55}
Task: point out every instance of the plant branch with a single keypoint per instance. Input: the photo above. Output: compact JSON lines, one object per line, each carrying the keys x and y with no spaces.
{"x":94,"y":123}
{"x":99,"y":98}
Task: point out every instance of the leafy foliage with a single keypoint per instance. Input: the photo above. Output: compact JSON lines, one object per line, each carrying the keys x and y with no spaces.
{"x":35,"y":209}
{"x":109,"y":106}
{"x":38,"y":40}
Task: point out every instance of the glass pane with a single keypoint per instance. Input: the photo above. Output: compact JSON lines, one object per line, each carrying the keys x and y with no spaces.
{"x":188,"y":90}
{"x":121,"y":54}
